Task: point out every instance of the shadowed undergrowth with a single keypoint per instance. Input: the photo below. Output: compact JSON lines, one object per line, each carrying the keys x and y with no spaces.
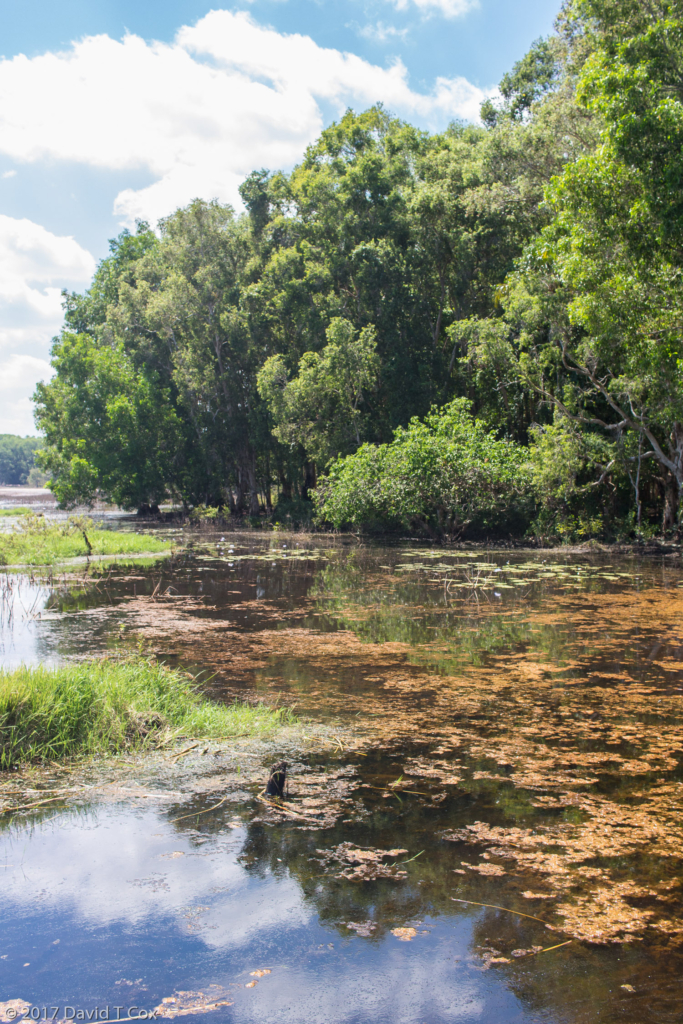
{"x":104,"y":706}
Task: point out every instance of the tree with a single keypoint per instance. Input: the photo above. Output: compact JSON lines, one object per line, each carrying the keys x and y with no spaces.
{"x":531,"y":267}
{"x":17,"y":458}
{"x":182,"y":312}
{"x":110,"y":430}
{"x":613,"y":250}
{"x":320,"y":408}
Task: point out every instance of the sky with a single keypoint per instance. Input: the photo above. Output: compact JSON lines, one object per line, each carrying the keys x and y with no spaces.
{"x":113,"y":110}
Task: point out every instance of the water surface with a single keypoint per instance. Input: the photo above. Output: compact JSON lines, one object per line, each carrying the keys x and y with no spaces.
{"x":512,"y":721}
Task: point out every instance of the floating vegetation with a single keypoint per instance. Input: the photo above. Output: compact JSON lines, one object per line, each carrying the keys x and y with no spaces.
{"x":362,"y":864}
{"x":185,"y":1004}
{"x":517,"y":722}
{"x":362,"y":928}
{"x":13,"y":1008}
{"x":318,"y":799}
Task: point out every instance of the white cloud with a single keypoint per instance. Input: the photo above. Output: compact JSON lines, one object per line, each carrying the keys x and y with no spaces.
{"x":9,"y":174}
{"x":18,"y":378}
{"x":381,"y":33}
{"x":34,"y":267}
{"x":449,"y":8}
{"x":228,"y":96}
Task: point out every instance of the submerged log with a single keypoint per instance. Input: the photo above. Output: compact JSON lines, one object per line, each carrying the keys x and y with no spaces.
{"x":277,"y":779}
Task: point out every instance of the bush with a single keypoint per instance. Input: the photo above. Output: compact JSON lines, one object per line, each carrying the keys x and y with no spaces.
{"x":446,"y":475}
{"x":292,"y":513}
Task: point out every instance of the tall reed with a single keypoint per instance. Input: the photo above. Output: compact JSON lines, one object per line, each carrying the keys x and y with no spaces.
{"x":105,"y":705}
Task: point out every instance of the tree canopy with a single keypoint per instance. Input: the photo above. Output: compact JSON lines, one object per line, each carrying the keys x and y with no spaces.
{"x":17,"y":458}
{"x":513,"y":283}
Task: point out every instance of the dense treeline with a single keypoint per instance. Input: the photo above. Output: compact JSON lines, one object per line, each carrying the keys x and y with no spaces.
{"x":492,"y":312}
{"x":17,"y":460}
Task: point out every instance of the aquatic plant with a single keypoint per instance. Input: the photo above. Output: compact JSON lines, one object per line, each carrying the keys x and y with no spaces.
{"x":106,"y":705}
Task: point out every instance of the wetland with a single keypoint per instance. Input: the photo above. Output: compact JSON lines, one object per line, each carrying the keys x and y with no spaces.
{"x":483,"y":820}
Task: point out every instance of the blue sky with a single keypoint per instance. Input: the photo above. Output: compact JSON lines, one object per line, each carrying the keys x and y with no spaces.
{"x":113,"y":109}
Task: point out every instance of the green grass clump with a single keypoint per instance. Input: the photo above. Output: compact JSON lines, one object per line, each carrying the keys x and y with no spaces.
{"x":103,"y":706}
{"x":14,"y":511}
{"x":38,"y":541}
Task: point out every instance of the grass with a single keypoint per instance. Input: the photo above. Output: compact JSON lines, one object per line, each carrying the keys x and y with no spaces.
{"x":37,"y":541}
{"x":106,"y":706}
{"x":14,"y":511}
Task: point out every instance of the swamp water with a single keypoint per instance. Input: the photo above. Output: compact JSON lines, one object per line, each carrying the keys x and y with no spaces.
{"x":478,"y":728}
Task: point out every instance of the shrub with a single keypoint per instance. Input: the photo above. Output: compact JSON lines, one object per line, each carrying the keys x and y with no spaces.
{"x":445,"y":475}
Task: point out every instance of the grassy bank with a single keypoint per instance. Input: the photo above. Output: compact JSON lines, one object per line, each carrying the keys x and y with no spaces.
{"x":5,"y":512}
{"x":104,"y":706}
{"x":37,"y":541}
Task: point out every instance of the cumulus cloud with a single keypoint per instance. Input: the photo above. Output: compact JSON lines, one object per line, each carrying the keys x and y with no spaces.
{"x":197,"y":115}
{"x":34,"y":267}
{"x":227,"y":96}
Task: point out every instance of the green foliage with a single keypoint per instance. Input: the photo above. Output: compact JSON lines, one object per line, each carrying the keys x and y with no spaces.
{"x":17,"y":458}
{"x":532,"y":265}
{"x":443,"y":475}
{"x":110,"y":429}
{"x":202,"y":515}
{"x":320,"y":407}
{"x":530,"y":79}
{"x":566,"y":465}
{"x":38,"y":541}
{"x":614,"y":243}
{"x":292,"y":513}
{"x":104,"y":706}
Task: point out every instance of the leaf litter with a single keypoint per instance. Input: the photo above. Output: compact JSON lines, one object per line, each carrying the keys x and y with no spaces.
{"x":187,"y":1003}
{"x":555,"y":722}
{"x":362,"y":864}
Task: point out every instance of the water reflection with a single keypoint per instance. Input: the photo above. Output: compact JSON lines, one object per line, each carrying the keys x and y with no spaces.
{"x":517,"y":728}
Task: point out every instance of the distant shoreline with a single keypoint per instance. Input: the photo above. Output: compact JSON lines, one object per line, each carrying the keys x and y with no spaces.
{"x":16,"y":494}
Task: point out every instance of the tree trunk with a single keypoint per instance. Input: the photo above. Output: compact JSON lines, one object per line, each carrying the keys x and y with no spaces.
{"x":254,"y":505}
{"x":309,"y":480}
{"x":285,"y":486}
{"x":269,"y":501}
{"x":670,"y":516}
{"x":239,"y":496}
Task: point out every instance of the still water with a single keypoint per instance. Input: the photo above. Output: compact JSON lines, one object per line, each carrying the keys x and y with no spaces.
{"x":491,"y":728}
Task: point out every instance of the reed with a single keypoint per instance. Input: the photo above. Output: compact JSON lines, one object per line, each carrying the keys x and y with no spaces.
{"x":103,"y":706}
